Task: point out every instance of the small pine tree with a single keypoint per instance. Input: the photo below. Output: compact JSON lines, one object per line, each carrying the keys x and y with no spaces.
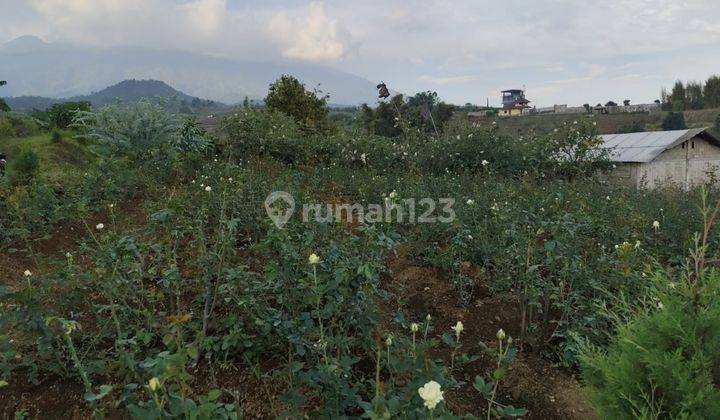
{"x":674,"y":121}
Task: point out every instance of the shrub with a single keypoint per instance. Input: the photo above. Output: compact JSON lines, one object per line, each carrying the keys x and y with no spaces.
{"x":664,"y":362}
{"x":23,"y":167}
{"x":255,"y":132}
{"x":674,"y":121}
{"x":137,"y":129}
{"x":56,"y":136}
{"x":61,"y":115}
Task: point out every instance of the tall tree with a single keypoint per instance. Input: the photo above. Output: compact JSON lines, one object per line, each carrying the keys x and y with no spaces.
{"x":678,"y":97}
{"x":309,"y":108}
{"x":694,"y":95}
{"x":3,"y":105}
{"x":712,"y":92}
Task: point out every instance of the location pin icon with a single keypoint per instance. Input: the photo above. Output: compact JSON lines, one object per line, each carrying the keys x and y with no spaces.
{"x":278,"y":213}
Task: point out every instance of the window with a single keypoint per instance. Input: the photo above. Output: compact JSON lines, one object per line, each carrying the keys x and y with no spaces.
{"x":693,"y":145}
{"x":683,"y":145}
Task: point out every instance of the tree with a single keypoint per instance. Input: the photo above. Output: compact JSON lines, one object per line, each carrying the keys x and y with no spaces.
{"x":711,"y":95}
{"x":678,"y":97}
{"x":694,"y":95}
{"x":611,"y":103}
{"x":626,"y":102}
{"x":716,"y":127}
{"x":674,"y":121}
{"x":426,"y":112}
{"x":3,"y":105}
{"x":289,"y":96}
{"x":61,"y":115}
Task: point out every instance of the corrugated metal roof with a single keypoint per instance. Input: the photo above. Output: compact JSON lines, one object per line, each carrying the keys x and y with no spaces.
{"x":646,"y":146}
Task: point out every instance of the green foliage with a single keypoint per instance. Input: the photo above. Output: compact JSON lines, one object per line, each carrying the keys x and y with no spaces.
{"x":662,"y":362}
{"x":23,"y":167}
{"x":56,"y":136}
{"x":711,"y":97}
{"x":4,"y":107}
{"x":252,"y":132}
{"x":677,"y":98}
{"x":674,"y":121}
{"x":423,"y":112}
{"x":13,"y":124}
{"x":61,"y":115}
{"x":309,"y":108}
{"x":634,"y":127}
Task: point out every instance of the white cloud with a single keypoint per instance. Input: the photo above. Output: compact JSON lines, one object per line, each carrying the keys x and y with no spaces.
{"x":312,"y":36}
{"x":463,"y":47}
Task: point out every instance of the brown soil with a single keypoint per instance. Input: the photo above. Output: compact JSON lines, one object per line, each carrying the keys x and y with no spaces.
{"x":21,"y":256}
{"x":532,"y":382}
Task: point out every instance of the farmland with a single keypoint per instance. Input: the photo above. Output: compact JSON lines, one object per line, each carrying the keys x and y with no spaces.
{"x":142,"y":277}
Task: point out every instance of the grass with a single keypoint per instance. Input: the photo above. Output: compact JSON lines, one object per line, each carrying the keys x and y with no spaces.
{"x":58,"y":160}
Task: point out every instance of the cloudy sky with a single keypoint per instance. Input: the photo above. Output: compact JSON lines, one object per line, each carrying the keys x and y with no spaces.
{"x":561,"y":51}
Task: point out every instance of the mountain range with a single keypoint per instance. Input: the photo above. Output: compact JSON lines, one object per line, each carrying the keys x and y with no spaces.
{"x":33,"y":67}
{"x":127,"y":91}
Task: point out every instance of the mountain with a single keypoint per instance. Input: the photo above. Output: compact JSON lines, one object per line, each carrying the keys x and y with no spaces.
{"x":127,"y":91}
{"x":33,"y":67}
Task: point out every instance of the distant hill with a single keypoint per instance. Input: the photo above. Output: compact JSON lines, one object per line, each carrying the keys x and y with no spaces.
{"x":127,"y":91}
{"x":33,"y":67}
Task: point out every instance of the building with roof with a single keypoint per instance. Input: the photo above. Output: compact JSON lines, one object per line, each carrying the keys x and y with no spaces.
{"x":681,"y":157}
{"x":514,"y":103}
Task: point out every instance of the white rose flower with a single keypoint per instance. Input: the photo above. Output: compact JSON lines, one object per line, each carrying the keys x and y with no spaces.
{"x":431,"y":394}
{"x":154,"y":383}
{"x":313,"y":259}
{"x":458,"y":328}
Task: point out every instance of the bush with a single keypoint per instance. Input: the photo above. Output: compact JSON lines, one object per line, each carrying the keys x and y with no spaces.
{"x":674,"y":121}
{"x":23,"y":167}
{"x":13,"y":124}
{"x":135,"y":130}
{"x":61,"y":115}
{"x":56,"y":136}
{"x":664,"y":362}
{"x":252,"y":132}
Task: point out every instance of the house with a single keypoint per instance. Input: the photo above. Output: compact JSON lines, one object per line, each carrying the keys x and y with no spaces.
{"x":514,"y":103}
{"x":681,"y":157}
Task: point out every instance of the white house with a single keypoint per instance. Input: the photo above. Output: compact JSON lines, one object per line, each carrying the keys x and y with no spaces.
{"x":680,"y":157}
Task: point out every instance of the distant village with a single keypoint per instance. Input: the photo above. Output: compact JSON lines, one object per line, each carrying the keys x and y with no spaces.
{"x":514,"y":104}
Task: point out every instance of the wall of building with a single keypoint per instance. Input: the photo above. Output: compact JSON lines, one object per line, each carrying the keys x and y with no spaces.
{"x":694,"y":162}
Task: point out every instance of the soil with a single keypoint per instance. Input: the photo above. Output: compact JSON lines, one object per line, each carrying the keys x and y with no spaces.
{"x":532,"y":382}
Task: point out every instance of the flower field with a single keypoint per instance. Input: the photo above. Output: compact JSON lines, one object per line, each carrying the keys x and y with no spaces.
{"x":148,"y":281}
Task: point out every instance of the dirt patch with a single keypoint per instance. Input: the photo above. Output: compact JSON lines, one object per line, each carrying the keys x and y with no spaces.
{"x":21,"y":256}
{"x":532,"y":382}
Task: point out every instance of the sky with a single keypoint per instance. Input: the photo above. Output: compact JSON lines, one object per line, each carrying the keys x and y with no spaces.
{"x":561,"y":51}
